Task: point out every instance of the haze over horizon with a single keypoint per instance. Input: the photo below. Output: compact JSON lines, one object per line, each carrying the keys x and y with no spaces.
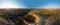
{"x":29,"y":4}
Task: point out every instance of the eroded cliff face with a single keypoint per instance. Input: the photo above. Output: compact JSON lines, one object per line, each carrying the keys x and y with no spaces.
{"x":33,"y":16}
{"x":45,"y":16}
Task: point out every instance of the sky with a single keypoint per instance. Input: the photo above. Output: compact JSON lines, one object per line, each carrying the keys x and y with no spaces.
{"x":29,"y":3}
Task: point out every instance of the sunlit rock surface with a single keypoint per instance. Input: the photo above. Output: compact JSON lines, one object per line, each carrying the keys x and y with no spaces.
{"x":30,"y":16}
